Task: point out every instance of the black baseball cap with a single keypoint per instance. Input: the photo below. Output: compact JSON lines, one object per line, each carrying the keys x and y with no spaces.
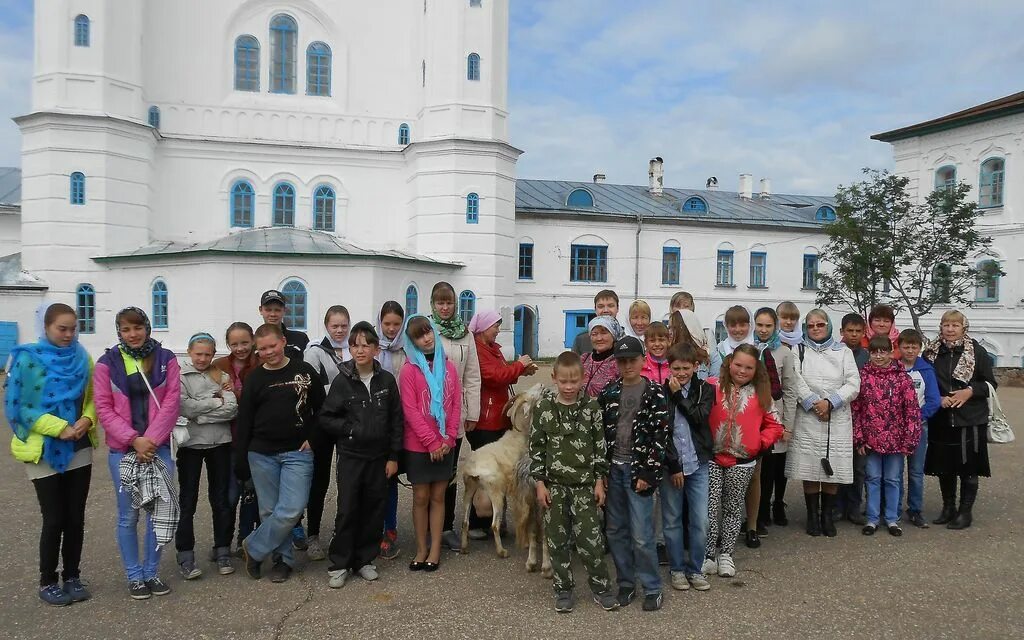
{"x":273,"y":295}
{"x":629,"y":347}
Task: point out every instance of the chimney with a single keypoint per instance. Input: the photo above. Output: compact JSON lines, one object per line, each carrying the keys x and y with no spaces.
{"x":598,"y":178}
{"x":711,"y":184}
{"x":746,"y":186}
{"x":656,"y":173}
{"x":766,"y":189}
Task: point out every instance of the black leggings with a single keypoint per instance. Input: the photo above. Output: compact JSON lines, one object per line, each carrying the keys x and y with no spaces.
{"x":773,"y":483}
{"x":62,"y":499}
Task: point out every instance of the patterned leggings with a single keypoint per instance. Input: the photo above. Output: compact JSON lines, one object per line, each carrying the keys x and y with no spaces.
{"x":726,"y":494}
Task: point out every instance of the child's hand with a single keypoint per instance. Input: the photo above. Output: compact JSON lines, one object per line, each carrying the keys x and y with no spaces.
{"x":787,"y":435}
{"x":674,"y":384}
{"x":599,"y":494}
{"x":390,"y":469}
{"x":641,"y":486}
{"x":677,"y":480}
{"x":862,"y":450}
{"x":543,"y":496}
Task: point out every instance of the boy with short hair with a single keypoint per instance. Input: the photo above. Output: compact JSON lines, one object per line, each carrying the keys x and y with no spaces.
{"x":852,"y":331}
{"x":272,"y":310}
{"x":851,"y":495}
{"x":606,"y":303}
{"x":922,"y":374}
{"x":568,"y":461}
{"x":790,"y":331}
{"x":637,"y":428}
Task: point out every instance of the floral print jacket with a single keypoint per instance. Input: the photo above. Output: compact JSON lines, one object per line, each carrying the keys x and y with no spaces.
{"x":886,"y":416}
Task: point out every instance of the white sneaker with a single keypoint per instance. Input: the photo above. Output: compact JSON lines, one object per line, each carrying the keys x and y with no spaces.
{"x":338,"y":578}
{"x":699,"y":582}
{"x":477,"y":534}
{"x":709,"y":567}
{"x":726,"y":567}
{"x":679,"y":581}
{"x":368,"y":572}
{"x":314,"y":550}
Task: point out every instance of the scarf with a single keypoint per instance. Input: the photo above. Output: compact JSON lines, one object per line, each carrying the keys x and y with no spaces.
{"x":609,"y":323}
{"x":894,"y":333}
{"x":434,"y":375}
{"x":825,"y":344}
{"x":727,"y":346}
{"x":453,"y":328}
{"x":964,"y":369}
{"x":773,"y":343}
{"x":46,"y":379}
{"x":388,"y":347}
{"x":792,"y":338}
{"x":693,"y":325}
{"x":484,"y":320}
{"x":147,"y":347}
{"x":152,"y":489}
{"x":330,"y":346}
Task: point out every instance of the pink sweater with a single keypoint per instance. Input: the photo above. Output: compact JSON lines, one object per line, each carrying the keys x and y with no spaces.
{"x":421,"y":431}
{"x":115,"y":411}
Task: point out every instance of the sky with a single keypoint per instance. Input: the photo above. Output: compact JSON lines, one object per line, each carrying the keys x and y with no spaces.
{"x":791,"y":90}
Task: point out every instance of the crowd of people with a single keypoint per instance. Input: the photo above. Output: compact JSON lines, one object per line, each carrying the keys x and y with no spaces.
{"x":651,"y":443}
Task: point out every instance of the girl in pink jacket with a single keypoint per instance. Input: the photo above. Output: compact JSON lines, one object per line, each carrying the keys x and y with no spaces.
{"x":432,"y":404}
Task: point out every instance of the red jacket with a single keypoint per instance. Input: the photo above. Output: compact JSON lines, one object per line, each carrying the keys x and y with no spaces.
{"x":496,"y":376}
{"x":739,"y":436}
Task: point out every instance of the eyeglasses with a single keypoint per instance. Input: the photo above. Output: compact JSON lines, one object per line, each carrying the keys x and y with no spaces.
{"x":817,"y":325}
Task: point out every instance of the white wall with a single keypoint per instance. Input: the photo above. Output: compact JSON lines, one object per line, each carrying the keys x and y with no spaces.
{"x":10,"y":233}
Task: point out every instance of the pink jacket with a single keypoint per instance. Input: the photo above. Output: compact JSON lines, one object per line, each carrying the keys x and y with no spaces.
{"x":886,"y":416}
{"x":421,"y":432}
{"x":114,"y":410}
{"x":655,"y":371}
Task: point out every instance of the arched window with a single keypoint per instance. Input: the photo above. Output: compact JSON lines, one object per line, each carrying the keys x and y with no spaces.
{"x":990,"y":187}
{"x":987,"y":287}
{"x":580,"y":199}
{"x":154,"y":117}
{"x":159,"y":305}
{"x":472,"y":208}
{"x":242,"y":201}
{"x":942,"y":283}
{"x":825,"y":214}
{"x":670,"y":264}
{"x":247,"y":64}
{"x":695,"y":204}
{"x":323,"y":208}
{"x":473,"y":67}
{"x":412,"y":300}
{"x":85,"y":308}
{"x":77,"y":194}
{"x":945,"y":178}
{"x":284,"y":205}
{"x":318,"y":69}
{"x":467,"y":305}
{"x":403,"y":134}
{"x":283,"y":35}
{"x":294,"y":293}
{"x":81,"y":30}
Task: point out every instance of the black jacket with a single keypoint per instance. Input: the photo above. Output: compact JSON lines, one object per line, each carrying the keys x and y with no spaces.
{"x":696,"y":408}
{"x":295,"y":342}
{"x":975,"y":411}
{"x":365,"y":424}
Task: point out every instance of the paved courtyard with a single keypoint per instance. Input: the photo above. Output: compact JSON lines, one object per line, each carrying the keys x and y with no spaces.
{"x":931,"y":583}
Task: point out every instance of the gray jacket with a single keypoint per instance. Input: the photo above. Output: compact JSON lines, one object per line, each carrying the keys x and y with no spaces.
{"x":209,"y":417}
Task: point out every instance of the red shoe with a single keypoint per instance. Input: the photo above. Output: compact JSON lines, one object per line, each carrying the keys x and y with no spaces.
{"x":389,"y":548}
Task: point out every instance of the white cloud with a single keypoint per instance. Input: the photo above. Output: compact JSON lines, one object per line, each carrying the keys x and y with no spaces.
{"x":15,"y":75}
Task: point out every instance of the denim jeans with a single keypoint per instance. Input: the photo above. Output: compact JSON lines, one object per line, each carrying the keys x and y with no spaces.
{"x":128,"y":524}
{"x":631,"y":532}
{"x":883,"y":472}
{"x":282,"y":482}
{"x":915,"y":475}
{"x":695,"y":495}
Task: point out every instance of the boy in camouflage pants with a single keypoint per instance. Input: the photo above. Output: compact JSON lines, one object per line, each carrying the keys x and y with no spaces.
{"x":568,"y":460}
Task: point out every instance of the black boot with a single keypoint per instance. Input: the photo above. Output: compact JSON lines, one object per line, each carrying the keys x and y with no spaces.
{"x":968,"y":492}
{"x":813,"y":513}
{"x":947,"y":485}
{"x":828,"y":524}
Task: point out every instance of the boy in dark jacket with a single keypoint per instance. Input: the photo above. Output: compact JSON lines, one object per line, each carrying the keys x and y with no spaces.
{"x":363,"y":414}
{"x":851,"y":495}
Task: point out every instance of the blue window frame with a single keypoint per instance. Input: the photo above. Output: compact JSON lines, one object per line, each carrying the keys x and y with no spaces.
{"x":294,"y":293}
{"x":724,"y":268}
{"x":810,"y":275}
{"x":284,"y":34}
{"x":526,"y":261}
{"x":82,"y":30}
{"x":323,"y":208}
{"x":160,"y":305}
{"x":990,"y":187}
{"x":581,"y":199}
{"x":467,"y":305}
{"x":670,"y":259}
{"x":945,"y":178}
{"x":284,"y":205}
{"x":247,"y":64}
{"x":472,"y":208}
{"x":85,"y":308}
{"x":825,"y":214}
{"x":403,"y":134}
{"x":589,"y":263}
{"x":242,"y":204}
{"x":987,"y":286}
{"x":154,"y":117}
{"x":473,"y":67}
{"x":412,"y":300}
{"x":758,"y":269}
{"x":77,"y":195}
{"x":695,"y":204}
{"x":318,"y":69}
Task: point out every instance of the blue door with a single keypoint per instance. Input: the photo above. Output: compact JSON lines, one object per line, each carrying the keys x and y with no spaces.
{"x":8,"y":338}
{"x":526,"y":328}
{"x":576,"y":322}
{"x":518,"y":333}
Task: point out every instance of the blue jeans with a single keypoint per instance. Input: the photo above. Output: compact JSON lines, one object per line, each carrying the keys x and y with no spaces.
{"x":631,"y":532}
{"x":128,"y":524}
{"x":282,"y":482}
{"x":915,"y":475}
{"x":884,"y":472}
{"x":695,"y":494}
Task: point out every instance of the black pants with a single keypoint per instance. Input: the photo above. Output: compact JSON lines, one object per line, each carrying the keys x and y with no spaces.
{"x":323,"y":457}
{"x":218,"y":481}
{"x":851,"y":495}
{"x":362,"y":494}
{"x":477,"y":439}
{"x":773,"y":483}
{"x":62,"y":499}
{"x":450,"y":493}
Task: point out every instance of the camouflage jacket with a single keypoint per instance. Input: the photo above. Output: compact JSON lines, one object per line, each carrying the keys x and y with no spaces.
{"x":652,"y":428}
{"x":567,"y":445}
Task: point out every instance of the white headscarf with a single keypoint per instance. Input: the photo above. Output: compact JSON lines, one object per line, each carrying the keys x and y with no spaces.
{"x":693,"y":325}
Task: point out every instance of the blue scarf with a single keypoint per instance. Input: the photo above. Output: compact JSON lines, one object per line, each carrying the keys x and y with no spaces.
{"x":772,"y":343}
{"x":46,"y":379}
{"x":434,"y":375}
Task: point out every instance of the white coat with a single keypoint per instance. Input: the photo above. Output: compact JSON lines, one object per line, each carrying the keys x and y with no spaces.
{"x":462,"y":353}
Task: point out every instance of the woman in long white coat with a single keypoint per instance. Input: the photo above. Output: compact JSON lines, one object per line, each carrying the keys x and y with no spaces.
{"x":821,"y":443}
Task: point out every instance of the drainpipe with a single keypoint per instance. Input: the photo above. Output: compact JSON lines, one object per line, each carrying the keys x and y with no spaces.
{"x":636,"y":257}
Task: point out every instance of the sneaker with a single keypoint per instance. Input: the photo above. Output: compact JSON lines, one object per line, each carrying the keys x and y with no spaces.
{"x":368,"y":572}
{"x":679,"y":581}
{"x":699,"y":582}
{"x":157,"y":586}
{"x":477,"y":534}
{"x":653,"y":601}
{"x":709,"y":567}
{"x":626,"y":595}
{"x":916,"y":519}
{"x":224,"y":566}
{"x":451,"y":540}
{"x":869,"y":529}
{"x":607,"y":601}
{"x":895,"y":530}
{"x":189,"y":570}
{"x":726,"y":566}
{"x":280,"y":572}
{"x":565,"y":601}
{"x":662,"y":555}
{"x":139,"y":590}
{"x":74,"y":588}
{"x":753,"y":540}
{"x":299,"y":540}
{"x":338,"y":578}
{"x":52,"y":594}
{"x":314,"y":551}
{"x":389,"y":548}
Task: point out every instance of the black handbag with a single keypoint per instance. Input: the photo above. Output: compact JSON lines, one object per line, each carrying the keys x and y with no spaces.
{"x":826,"y":466}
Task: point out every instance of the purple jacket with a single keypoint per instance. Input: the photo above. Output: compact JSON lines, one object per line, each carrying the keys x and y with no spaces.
{"x":110,"y":386}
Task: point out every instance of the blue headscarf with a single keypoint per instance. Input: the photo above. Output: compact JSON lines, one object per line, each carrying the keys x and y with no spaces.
{"x":434,"y":375}
{"x":775,"y":341}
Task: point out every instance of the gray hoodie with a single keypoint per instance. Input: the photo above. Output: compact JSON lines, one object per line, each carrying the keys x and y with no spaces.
{"x":209,"y":417}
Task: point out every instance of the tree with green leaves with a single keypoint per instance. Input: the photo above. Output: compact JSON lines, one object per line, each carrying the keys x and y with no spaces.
{"x":883,"y":247}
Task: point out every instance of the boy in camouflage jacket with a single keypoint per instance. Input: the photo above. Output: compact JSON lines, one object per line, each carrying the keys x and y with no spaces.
{"x":568,"y":461}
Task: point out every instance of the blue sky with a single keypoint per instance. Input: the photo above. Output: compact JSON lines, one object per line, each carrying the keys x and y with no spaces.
{"x":789,"y":90}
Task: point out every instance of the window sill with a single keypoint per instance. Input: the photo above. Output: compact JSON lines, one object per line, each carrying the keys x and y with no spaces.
{"x":758,"y":288}
{"x":525,"y":280}
{"x":588,"y":283}
{"x":808,"y":288}
{"x":725,"y":286}
{"x":670,"y":285}
{"x":995,"y":208}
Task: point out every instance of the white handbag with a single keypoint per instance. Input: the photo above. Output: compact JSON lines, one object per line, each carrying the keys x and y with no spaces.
{"x":999,"y":431}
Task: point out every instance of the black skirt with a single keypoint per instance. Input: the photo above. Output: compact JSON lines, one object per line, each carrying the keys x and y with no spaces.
{"x":419,"y":469}
{"x":961,"y":451}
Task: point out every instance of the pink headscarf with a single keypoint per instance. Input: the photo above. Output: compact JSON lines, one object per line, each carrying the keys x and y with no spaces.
{"x":483,"y":320}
